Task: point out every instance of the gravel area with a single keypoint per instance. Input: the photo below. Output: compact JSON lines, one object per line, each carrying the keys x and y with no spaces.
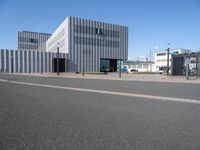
{"x":115,"y":76}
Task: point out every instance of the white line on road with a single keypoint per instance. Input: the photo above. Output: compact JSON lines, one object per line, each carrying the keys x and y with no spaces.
{"x":161,"y":98}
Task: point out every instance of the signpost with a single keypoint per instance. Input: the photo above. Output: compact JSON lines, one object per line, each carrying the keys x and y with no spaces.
{"x":58,"y":60}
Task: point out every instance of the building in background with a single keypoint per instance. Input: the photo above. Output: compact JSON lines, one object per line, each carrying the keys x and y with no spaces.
{"x":180,"y":61}
{"x":161,"y":58}
{"x":91,"y":46}
{"x":33,"y":41}
{"x":139,"y":66}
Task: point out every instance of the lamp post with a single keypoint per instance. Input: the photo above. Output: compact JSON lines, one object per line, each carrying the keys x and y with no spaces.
{"x":187,"y":68}
{"x":41,"y":63}
{"x":58,"y":58}
{"x":83,"y":71}
{"x":120,"y":71}
{"x":29,"y":64}
{"x":168,"y":49}
{"x":11,"y":63}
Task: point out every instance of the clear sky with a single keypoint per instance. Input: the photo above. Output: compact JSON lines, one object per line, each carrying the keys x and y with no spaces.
{"x":152,"y":23}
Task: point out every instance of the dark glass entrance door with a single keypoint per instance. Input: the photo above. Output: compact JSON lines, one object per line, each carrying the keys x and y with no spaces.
{"x":61,"y":65}
{"x":108,"y":65}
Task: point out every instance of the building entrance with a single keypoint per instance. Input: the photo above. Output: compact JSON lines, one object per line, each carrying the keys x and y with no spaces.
{"x":62,"y":65}
{"x":108,"y":65}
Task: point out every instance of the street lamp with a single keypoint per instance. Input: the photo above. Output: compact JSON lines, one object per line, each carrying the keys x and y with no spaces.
{"x":29,"y":64}
{"x":41,"y":60}
{"x":58,"y":58}
{"x":120,"y":70}
{"x":11,"y":63}
{"x":168,"y":49}
{"x":83,"y":71}
{"x":187,"y":68}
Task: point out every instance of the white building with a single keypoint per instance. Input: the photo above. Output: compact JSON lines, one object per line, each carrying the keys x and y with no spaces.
{"x":161,"y":58}
{"x":140,"y":66}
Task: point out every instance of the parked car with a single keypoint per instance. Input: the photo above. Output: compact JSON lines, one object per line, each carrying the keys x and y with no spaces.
{"x":133,"y":70}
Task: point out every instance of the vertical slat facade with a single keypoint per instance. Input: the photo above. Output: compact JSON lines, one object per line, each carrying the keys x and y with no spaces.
{"x":33,"y":41}
{"x":15,"y":61}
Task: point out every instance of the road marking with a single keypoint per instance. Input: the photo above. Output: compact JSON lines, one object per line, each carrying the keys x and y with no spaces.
{"x":161,"y":98}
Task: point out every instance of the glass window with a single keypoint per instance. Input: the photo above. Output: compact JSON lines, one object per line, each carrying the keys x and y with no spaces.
{"x":104,"y":65}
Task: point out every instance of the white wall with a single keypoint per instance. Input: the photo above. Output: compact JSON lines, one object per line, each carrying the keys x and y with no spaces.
{"x":61,"y":36}
{"x":141,"y":67}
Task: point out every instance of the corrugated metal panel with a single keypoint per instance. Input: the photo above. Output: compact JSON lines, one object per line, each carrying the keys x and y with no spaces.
{"x":4,"y":61}
{"x":0,"y":61}
{"x":113,"y":44}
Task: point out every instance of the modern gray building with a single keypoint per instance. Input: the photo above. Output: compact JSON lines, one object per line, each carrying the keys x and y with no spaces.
{"x":33,"y":41}
{"x":26,"y":61}
{"x":91,"y":46}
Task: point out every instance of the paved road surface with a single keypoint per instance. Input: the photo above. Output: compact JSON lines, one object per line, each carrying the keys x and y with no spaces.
{"x":33,"y":117}
{"x":179,"y":90}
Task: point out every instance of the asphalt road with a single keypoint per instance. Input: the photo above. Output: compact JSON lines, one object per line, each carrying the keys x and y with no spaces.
{"x":179,"y":90}
{"x":33,"y":117}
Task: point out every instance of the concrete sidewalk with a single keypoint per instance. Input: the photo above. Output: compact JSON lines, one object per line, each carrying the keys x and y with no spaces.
{"x":115,"y":76}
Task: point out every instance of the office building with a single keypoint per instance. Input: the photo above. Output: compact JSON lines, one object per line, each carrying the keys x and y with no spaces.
{"x":91,"y":46}
{"x":32,"y":41}
{"x":161,"y":58}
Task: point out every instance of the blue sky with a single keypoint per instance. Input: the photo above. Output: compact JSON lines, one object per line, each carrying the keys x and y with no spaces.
{"x":152,"y":23}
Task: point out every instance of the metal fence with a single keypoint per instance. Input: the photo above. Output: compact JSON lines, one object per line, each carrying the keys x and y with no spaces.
{"x":180,"y":62}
